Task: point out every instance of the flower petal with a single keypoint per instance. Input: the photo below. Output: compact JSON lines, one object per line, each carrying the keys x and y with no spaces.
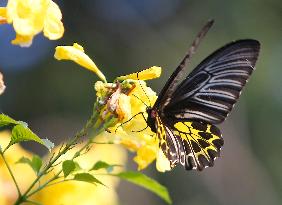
{"x":162,"y":163}
{"x":53,"y":27}
{"x":147,"y":74}
{"x":3,"y":15}
{"x":76,"y":54}
{"x":23,"y":41}
{"x":145,"y":156}
{"x":27,"y":16}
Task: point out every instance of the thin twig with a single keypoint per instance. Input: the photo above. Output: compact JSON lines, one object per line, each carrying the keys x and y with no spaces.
{"x":11,"y":173}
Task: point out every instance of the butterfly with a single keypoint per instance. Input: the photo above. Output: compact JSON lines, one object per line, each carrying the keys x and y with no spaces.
{"x":185,"y":114}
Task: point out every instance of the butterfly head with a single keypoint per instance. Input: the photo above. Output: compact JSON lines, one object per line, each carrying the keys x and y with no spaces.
{"x":152,"y":114}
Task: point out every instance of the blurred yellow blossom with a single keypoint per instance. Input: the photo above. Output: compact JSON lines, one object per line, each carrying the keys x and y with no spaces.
{"x":76,"y":54}
{"x":8,"y":192}
{"x":30,"y":17}
{"x":3,"y":15}
{"x":133,"y":97}
{"x":83,"y":193}
{"x":2,"y":85}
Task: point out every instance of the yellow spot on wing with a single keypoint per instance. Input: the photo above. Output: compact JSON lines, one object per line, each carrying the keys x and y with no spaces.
{"x":181,"y":127}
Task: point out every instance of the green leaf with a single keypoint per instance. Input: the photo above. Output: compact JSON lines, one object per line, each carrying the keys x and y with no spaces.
{"x":146,"y":182}
{"x":100,"y":165}
{"x":103,"y":165}
{"x":35,"y":163}
{"x":68,"y":167}
{"x":47,"y":143}
{"x":6,"y":121}
{"x":21,"y":132}
{"x":24,"y":160}
{"x":77,"y":166}
{"x":86,"y":177}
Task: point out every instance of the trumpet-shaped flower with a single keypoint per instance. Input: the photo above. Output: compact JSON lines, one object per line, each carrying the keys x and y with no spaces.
{"x":76,"y":54}
{"x":147,"y":74}
{"x":30,"y":17}
{"x":128,"y":98}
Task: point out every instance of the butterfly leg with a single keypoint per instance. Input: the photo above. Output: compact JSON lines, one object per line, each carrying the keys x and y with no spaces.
{"x":146,"y":123}
{"x":129,"y":120}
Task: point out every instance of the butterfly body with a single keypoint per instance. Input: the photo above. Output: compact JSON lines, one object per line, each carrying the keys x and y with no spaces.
{"x":185,"y":113}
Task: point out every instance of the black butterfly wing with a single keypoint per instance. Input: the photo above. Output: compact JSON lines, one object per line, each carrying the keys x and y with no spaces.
{"x":171,"y":84}
{"x":212,"y":88}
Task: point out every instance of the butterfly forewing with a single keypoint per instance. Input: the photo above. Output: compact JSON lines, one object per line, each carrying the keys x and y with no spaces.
{"x":212,"y":88}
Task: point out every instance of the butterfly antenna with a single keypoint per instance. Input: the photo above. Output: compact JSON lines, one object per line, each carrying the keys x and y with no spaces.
{"x":140,"y":100}
{"x":128,"y":121}
{"x":197,"y":40}
{"x":143,"y":128}
{"x":144,"y":90}
{"x":178,"y":72}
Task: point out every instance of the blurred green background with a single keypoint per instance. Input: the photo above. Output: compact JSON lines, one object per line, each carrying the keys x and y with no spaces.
{"x":124,"y":36}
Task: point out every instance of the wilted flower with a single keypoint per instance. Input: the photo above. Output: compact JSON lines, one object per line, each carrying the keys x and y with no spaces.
{"x":76,"y":54}
{"x":128,"y":98}
{"x":2,"y":85}
{"x":30,"y":17}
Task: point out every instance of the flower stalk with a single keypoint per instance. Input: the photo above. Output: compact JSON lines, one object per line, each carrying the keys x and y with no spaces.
{"x":91,"y":123}
{"x":11,"y":173}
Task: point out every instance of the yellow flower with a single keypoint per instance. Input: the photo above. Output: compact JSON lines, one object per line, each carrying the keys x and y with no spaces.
{"x":2,"y":85}
{"x":147,"y":74}
{"x":133,"y":97}
{"x":30,"y":17}
{"x":8,"y":192}
{"x":23,"y":41}
{"x":3,"y":15}
{"x":76,"y":54}
{"x":83,"y":193}
{"x":53,"y":26}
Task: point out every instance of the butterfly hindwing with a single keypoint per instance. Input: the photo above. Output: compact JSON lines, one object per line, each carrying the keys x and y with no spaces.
{"x":170,"y":145}
{"x":202,"y":143}
{"x":195,"y":145}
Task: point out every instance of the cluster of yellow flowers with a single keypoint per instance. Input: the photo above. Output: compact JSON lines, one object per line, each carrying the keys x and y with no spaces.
{"x":127,"y":96}
{"x":132,"y":97}
{"x":70,"y":192}
{"x":30,"y":17}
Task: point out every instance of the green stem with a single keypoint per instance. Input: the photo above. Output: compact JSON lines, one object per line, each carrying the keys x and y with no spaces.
{"x":90,"y":141}
{"x":11,"y":173}
{"x":73,"y":141}
{"x":32,"y":202}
